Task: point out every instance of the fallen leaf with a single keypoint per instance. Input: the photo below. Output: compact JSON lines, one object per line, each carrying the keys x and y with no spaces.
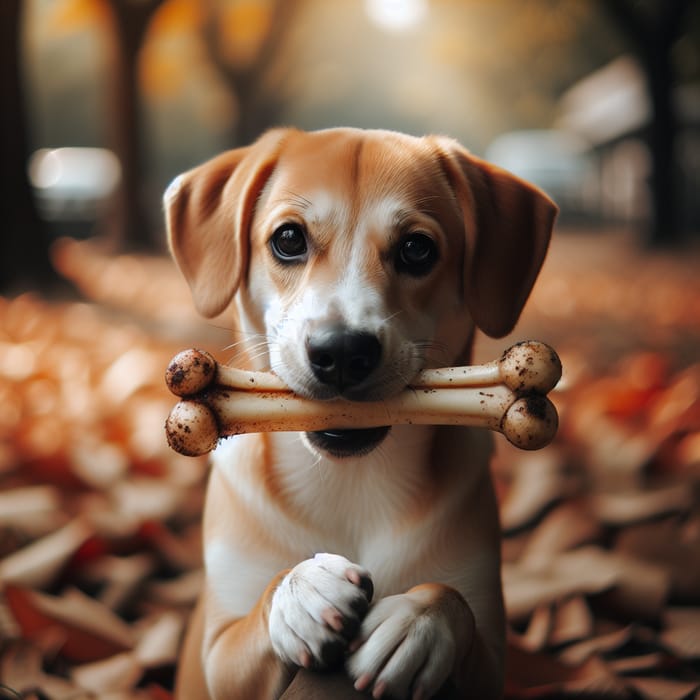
{"x":33,"y":509}
{"x":566,"y":527}
{"x":87,"y":630}
{"x":599,"y":644}
{"x":664,"y":688}
{"x":538,"y":482}
{"x":537,"y":675}
{"x":21,"y":672}
{"x":638,"y":663}
{"x":632,"y":587}
{"x":160,"y":641}
{"x":671,"y":543}
{"x":181,"y":591}
{"x":121,"y":577}
{"x":572,"y":621}
{"x":39,"y":563}
{"x":578,"y":572}
{"x":536,"y":635}
{"x":681,"y":633}
{"x":629,"y":507}
{"x":119,"y":672}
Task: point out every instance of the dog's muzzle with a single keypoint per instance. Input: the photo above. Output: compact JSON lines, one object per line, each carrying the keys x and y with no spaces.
{"x":342,"y":360}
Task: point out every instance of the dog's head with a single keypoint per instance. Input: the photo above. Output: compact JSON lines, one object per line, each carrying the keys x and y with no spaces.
{"x":360,"y":257}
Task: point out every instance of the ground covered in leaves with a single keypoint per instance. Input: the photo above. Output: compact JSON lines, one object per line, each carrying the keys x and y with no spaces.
{"x":99,"y":520}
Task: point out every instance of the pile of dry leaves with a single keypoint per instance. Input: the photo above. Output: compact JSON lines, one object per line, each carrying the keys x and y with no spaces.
{"x":602,"y":540}
{"x":99,"y":520}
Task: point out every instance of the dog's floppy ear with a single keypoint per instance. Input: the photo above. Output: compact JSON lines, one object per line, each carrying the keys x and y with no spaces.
{"x":508,"y":224}
{"x":208,"y":212}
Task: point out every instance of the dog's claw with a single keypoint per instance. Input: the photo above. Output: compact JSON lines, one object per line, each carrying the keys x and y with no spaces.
{"x":368,"y":587}
{"x":332,"y":653}
{"x":350,"y":628}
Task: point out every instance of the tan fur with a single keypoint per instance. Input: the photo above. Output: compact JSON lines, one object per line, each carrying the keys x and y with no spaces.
{"x":418,"y":512}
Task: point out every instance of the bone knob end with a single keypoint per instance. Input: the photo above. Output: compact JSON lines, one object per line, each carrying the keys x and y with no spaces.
{"x":531,"y":422}
{"x":530,"y":366}
{"x":190,"y":372}
{"x":192,"y":428}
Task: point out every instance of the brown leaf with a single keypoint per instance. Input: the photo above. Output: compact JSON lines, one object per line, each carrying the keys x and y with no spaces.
{"x":536,"y":635}
{"x":121,"y":576}
{"x":536,"y":675}
{"x":21,"y":671}
{"x":567,"y":526}
{"x":634,"y":588}
{"x":180,"y":591}
{"x":539,"y":482}
{"x":600,"y":644}
{"x":681,"y":634}
{"x":638,"y":663}
{"x":641,"y":588}
{"x":572,"y":622}
{"x":625,"y":508}
{"x":119,"y":672}
{"x":672,"y":544}
{"x":159,"y":642}
{"x":87,"y":630}
{"x":664,"y":688}
{"x":34,"y":510}
{"x":582,"y":571}
{"x":39,"y":563}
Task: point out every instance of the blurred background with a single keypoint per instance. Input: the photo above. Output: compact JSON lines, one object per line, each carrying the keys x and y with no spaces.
{"x":598,"y":102}
{"x":105,"y":101}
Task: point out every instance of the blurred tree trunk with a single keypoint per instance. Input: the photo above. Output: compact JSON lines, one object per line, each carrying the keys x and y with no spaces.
{"x":24,"y":251}
{"x":652,"y":34}
{"x":129,"y":225}
{"x":257,"y":108}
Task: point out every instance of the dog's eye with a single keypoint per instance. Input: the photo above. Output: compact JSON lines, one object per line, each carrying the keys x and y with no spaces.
{"x":416,"y":254}
{"x":288,"y":243}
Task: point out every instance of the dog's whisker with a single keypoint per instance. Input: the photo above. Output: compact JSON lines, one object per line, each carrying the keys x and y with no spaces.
{"x":388,"y":318}
{"x":237,"y":343}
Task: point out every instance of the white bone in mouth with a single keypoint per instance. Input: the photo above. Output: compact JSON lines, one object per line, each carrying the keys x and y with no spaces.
{"x":507,"y":395}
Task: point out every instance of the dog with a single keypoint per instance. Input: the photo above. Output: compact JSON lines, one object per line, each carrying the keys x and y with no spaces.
{"x":349,"y":260}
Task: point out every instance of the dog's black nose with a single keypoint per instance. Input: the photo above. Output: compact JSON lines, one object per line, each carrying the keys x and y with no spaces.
{"x":342,"y":357}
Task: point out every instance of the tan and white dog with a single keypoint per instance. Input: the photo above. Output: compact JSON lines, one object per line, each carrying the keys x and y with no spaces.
{"x":351,"y":260}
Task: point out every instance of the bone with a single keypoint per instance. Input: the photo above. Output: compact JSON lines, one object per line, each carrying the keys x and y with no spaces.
{"x":527,"y":366}
{"x":507,"y":395}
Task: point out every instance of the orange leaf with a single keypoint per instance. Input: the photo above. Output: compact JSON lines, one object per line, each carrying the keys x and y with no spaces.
{"x":89,"y":631}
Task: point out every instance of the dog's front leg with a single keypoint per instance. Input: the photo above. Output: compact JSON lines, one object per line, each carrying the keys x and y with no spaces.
{"x":306,"y":617}
{"x":411,"y":644}
{"x":237,"y":656}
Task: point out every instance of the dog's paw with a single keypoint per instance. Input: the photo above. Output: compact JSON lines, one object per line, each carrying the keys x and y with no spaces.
{"x":317,"y":610}
{"x":409,"y":644}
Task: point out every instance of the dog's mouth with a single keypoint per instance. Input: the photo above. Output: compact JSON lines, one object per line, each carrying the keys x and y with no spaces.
{"x":355,"y":442}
